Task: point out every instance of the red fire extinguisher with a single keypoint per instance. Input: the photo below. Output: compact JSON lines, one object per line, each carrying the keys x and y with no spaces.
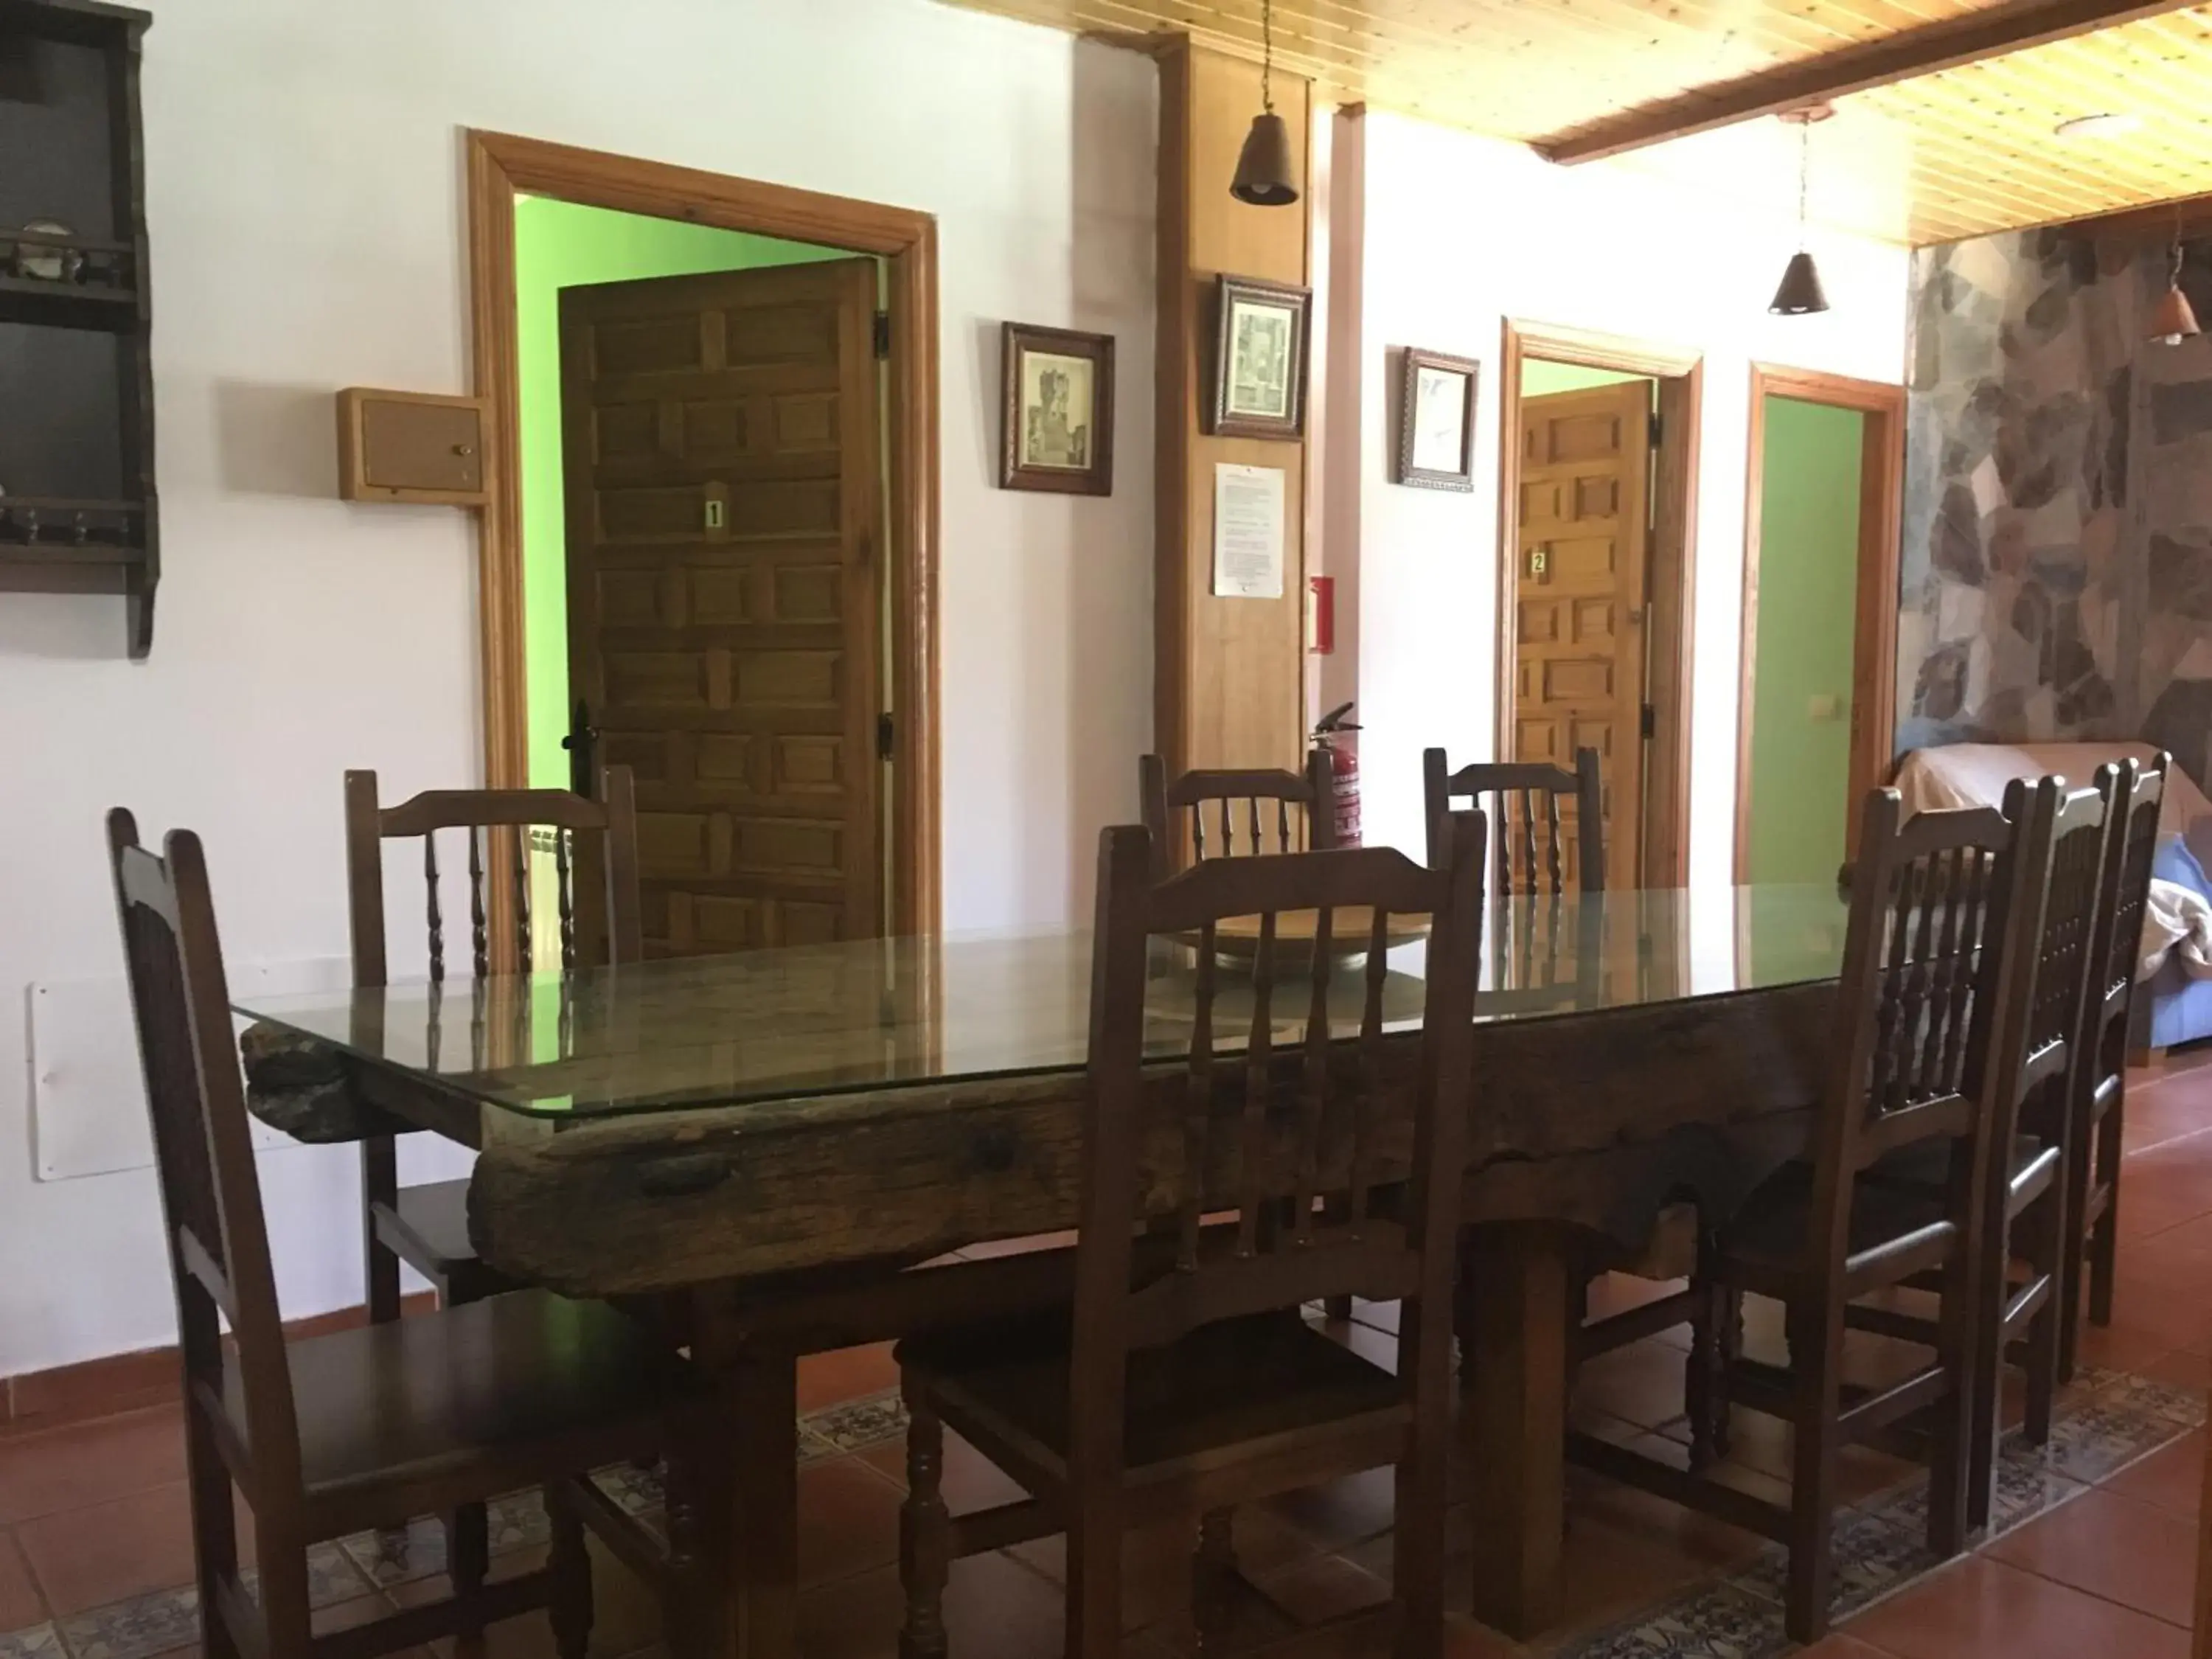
{"x":1332,"y":737}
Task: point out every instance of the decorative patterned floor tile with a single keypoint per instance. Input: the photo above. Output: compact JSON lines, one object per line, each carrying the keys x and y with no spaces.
{"x":160,"y":1623}
{"x":859,"y":1424}
{"x":2105,"y":1422}
{"x":39,"y":1642}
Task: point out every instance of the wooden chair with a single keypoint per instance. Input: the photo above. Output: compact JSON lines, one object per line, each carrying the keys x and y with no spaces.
{"x":426,"y":1225}
{"x":1187,"y":1382}
{"x":362,"y":1429}
{"x":2098,"y":1083}
{"x":1309,"y":791}
{"x":2020,"y":1304}
{"x":1930,"y":992}
{"x":1525,"y":835}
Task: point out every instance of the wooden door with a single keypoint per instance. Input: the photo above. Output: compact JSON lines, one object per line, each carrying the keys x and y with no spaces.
{"x":1580,"y":598}
{"x":719,"y":437}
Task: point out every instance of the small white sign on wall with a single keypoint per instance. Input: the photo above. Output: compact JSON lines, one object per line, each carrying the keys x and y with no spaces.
{"x":87,"y":1094}
{"x":1248,"y":531}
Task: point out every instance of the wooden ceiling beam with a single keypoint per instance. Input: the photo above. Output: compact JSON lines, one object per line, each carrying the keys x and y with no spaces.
{"x":1991,"y":32}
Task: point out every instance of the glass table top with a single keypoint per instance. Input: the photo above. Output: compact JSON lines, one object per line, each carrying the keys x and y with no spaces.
{"x":777,"y":1025}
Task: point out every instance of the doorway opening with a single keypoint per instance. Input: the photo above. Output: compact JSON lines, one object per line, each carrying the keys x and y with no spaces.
{"x":1817,"y":712}
{"x":1597,"y":477}
{"x":874,"y":692}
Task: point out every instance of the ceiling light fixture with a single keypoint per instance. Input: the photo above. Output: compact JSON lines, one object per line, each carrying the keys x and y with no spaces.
{"x":2173,"y":319}
{"x":1800,"y":294}
{"x":1263,"y":170}
{"x":2113,"y":123}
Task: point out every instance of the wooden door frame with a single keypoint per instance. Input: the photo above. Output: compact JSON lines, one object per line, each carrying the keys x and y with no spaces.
{"x":1874,"y":640}
{"x":502,"y":167}
{"x":1669,"y":625}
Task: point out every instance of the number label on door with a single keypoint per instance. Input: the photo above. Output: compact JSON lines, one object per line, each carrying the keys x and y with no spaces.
{"x":713,"y":515}
{"x":1539,"y":560}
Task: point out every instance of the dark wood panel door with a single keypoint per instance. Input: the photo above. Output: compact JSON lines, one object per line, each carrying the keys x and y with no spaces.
{"x":1580,"y":598}
{"x":721,"y":441}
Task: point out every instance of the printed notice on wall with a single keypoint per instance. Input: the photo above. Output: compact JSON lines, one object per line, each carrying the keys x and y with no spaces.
{"x":1248,"y":531}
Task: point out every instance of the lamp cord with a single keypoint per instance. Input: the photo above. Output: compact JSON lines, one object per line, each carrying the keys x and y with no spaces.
{"x":1804,"y":175}
{"x":1267,"y":56}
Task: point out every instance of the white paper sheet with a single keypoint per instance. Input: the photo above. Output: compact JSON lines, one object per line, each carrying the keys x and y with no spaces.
{"x":1248,"y":531}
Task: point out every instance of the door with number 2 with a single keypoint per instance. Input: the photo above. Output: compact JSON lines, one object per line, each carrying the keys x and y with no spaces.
{"x":720,"y":442}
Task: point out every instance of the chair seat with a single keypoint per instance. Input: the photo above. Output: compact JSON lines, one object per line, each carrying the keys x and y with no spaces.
{"x":428,"y":1228}
{"x":1231,"y":1384}
{"x":403,"y":1404}
{"x":1894,"y":1200}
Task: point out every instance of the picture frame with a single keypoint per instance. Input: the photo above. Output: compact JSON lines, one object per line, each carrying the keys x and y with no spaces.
{"x":1435,"y":447}
{"x":1056,"y":411}
{"x":1260,"y":330}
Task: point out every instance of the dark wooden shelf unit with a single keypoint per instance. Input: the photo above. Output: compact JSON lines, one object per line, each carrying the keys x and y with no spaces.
{"x":78,"y":508}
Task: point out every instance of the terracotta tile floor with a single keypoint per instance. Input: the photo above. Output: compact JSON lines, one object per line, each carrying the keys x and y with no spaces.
{"x":94,"y":1541}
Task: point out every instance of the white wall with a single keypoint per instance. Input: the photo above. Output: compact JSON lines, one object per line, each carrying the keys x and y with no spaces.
{"x":1462,"y":232}
{"x":304,"y":172}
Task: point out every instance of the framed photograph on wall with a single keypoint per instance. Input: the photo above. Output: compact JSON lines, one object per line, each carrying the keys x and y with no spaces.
{"x":1057,"y":407}
{"x":1259,"y":359}
{"x":1435,"y":421}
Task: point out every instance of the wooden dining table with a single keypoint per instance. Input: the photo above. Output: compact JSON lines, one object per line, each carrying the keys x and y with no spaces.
{"x":795,"y":1141}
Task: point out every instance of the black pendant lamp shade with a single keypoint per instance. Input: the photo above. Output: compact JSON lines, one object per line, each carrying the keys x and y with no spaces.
{"x":1263,"y":170}
{"x":2173,"y":320}
{"x":1800,"y":294}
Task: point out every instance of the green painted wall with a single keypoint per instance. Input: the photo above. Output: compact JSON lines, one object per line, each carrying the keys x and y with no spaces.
{"x":1807,"y":570}
{"x":1540,"y":379}
{"x":561,"y":245}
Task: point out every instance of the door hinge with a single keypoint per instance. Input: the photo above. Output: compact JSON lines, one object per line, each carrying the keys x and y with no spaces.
{"x":1658,"y":426}
{"x":1651,"y":720}
{"x":886,"y":735}
{"x":883,"y":334}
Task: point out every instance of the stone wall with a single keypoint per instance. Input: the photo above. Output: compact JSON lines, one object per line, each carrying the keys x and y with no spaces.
{"x":2057,"y":555}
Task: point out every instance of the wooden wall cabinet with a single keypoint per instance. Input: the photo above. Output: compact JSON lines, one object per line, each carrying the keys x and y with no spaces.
{"x":419,"y":446}
{"x":77,"y":506}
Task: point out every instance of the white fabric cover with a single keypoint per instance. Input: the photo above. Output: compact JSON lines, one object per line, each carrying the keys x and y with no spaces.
{"x":2175,"y":920}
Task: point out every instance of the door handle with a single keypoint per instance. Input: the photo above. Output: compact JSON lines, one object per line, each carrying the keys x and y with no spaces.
{"x":580,"y":743}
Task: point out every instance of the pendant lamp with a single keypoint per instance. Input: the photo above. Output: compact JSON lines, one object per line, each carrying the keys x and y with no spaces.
{"x":1263,"y":171}
{"x":2173,"y":319}
{"x":1800,"y":294}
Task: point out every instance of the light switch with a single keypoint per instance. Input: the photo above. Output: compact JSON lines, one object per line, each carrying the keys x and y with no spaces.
{"x":1824,"y":705}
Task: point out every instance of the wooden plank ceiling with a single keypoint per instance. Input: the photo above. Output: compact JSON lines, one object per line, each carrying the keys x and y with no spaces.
{"x":1960,"y":152}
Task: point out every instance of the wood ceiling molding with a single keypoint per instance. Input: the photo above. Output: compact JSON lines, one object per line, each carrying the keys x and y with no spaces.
{"x":1960,"y":151}
{"x":1952,"y":43}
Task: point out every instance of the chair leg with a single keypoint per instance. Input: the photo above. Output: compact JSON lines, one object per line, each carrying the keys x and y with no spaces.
{"x":1716,"y":1344}
{"x":924,"y":1530}
{"x":2105,"y":1236}
{"x":468,"y":1556}
{"x":1815,"y":1346}
{"x":2046,"y":1252}
{"x":1213,"y":1574}
{"x":1951,"y":1423}
{"x":570,"y":1561}
{"x":1463,"y":1315}
{"x":283,"y":1593}
{"x":700,"y":1465}
{"x":214,"y":1534}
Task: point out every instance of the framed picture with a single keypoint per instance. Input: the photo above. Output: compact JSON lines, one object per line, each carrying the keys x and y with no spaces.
{"x":1259,"y":360}
{"x":1058,"y":410}
{"x":1435,"y":421}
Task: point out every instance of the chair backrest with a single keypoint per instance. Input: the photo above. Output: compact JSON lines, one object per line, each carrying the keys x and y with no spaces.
{"x":590,"y":838}
{"x":2057,"y":932}
{"x":1930,"y":958}
{"x":2138,"y":794}
{"x":1253,"y":1124}
{"x":1521,"y":800}
{"x":204,"y":1149}
{"x":1266,"y":796}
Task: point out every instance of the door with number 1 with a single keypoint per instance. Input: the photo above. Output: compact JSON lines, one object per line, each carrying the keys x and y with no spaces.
{"x":720,"y":442}
{"x":1581,"y":597}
